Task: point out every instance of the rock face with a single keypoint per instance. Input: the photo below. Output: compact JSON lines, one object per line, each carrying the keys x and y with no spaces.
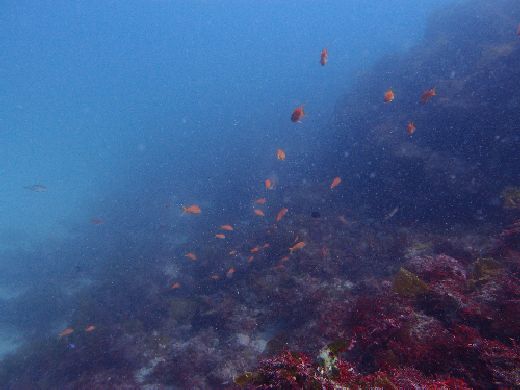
{"x":464,"y":152}
{"x":362,"y":304}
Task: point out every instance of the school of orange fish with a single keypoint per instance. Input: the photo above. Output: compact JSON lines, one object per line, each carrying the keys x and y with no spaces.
{"x":296,"y":117}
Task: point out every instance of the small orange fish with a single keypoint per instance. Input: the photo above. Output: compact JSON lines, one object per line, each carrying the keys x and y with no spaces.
{"x":324,"y":57}
{"x":427,"y":95}
{"x":410,"y":128}
{"x":192,"y":256}
{"x":220,"y":236}
{"x":280,"y":154}
{"x":280,"y":214}
{"x":66,"y":332}
{"x":250,"y":259}
{"x":176,"y":286}
{"x":90,"y":328}
{"x":297,"y":114}
{"x":268,"y":184}
{"x":255,"y":249}
{"x":343,"y":219}
{"x":261,"y":201}
{"x":97,"y":221}
{"x":297,"y":246}
{"x":266,"y":245}
{"x":336,"y":182}
{"x":279,"y":267}
{"x":230,"y":272}
{"x":227,"y":227}
{"x":193,"y":209}
{"x":285,"y":258}
{"x":260,"y":213}
{"x":389,"y":96}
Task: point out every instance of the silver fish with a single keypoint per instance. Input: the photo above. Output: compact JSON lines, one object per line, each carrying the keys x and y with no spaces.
{"x":391,"y":214}
{"x":36,"y":188}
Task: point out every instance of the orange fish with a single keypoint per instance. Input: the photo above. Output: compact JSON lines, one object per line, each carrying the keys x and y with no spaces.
{"x":193,"y":209}
{"x":343,"y":219}
{"x":97,"y":221}
{"x":324,"y":57}
{"x":260,"y":213}
{"x":176,"y":286}
{"x":297,"y":246}
{"x":427,"y":95}
{"x":410,"y":128}
{"x":280,"y":154}
{"x":192,"y":256}
{"x":90,"y":328}
{"x":220,"y":236}
{"x":227,"y":227}
{"x":250,"y":259}
{"x":336,"y":182}
{"x":279,"y":267}
{"x":230,"y":272}
{"x":285,"y":258}
{"x":389,"y":96}
{"x":268,"y":184}
{"x":281,"y":213}
{"x":66,"y":332}
{"x":266,"y":245}
{"x":255,"y":249}
{"x":297,"y":114}
{"x":261,"y":201}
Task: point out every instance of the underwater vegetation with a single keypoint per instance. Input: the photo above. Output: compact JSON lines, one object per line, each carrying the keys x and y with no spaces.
{"x":452,"y":323}
{"x":373,"y":290}
{"x":511,"y":198}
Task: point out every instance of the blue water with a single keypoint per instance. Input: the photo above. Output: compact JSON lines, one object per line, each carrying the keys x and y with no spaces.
{"x":126,"y":111}
{"x":94,"y":92}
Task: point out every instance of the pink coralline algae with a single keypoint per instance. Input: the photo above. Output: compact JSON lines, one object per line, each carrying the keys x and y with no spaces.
{"x":297,"y":371}
{"x":442,"y":323}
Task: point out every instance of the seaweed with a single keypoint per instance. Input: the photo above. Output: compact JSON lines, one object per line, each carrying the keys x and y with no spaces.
{"x":409,"y":285}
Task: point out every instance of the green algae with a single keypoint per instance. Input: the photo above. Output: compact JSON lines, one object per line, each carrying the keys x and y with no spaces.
{"x":418,"y":248}
{"x":486,"y":268}
{"x":407,"y":284}
{"x":338,"y":346}
{"x":511,"y":198}
{"x":246,"y":378}
{"x":327,"y":360}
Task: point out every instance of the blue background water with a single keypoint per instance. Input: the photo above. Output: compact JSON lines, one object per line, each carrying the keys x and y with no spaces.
{"x":120,"y":107}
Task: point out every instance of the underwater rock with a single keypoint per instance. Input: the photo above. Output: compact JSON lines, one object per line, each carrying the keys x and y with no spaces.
{"x":183,"y":309}
{"x":436,"y":267}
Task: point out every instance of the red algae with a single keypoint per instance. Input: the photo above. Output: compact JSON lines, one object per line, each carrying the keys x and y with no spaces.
{"x":460,"y":331}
